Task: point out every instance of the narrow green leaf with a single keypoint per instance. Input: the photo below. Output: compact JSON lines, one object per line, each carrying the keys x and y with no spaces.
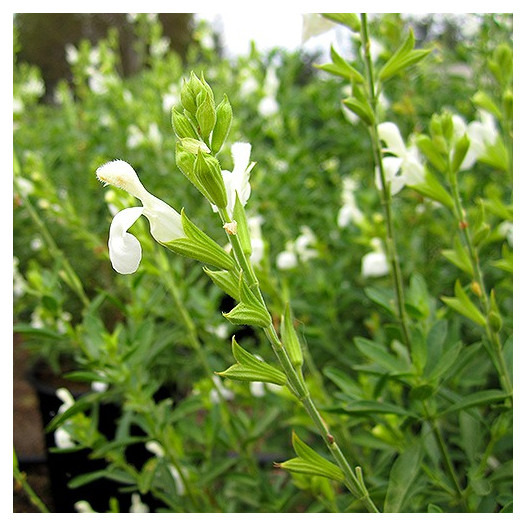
{"x":361,"y":109}
{"x":462,"y":304}
{"x":485,"y":398}
{"x":349,"y":20}
{"x":431,"y":187}
{"x":242,"y":227}
{"x":226,"y":281}
{"x":366,"y":407}
{"x":290,"y":338}
{"x":309,"y":462}
{"x":459,"y":257}
{"x":403,"y":474}
{"x":379,"y":355}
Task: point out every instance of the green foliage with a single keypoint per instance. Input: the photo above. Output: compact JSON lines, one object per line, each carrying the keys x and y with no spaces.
{"x":431,"y":422}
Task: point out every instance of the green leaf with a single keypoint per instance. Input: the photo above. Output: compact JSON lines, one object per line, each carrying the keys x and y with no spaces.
{"x":463,"y":305}
{"x":379,"y":355}
{"x":403,"y":474}
{"x":459,"y":152}
{"x":349,"y":20}
{"x":290,"y":338}
{"x":250,"y":310}
{"x":309,"y":462}
{"x":341,"y":68}
{"x":404,"y":57}
{"x":431,"y":187}
{"x":446,"y":360}
{"x":249,"y":369}
{"x":382,"y":297}
{"x":223,"y":124}
{"x":242,"y":227}
{"x":226,"y":281}
{"x":361,"y":109}
{"x":197,"y":245}
{"x":366,"y":407}
{"x":484,"y":398}
{"x":459,"y":257}
{"x":428,"y":148}
{"x":482,"y":100}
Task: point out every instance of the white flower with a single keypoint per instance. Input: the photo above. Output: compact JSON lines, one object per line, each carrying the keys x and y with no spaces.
{"x":63,"y":439}
{"x":237,"y":181}
{"x":314,"y":25}
{"x":220,"y":391}
{"x":66,"y":397}
{"x":298,"y":250}
{"x":374,"y":264}
{"x":137,"y":506}
{"x":287,"y":259}
{"x":256,"y":239}
{"x":165,"y":222}
{"x":406,"y":159}
{"x":268,"y":106}
{"x":349,"y":212}
{"x":83,"y":506}
{"x":257,"y":389}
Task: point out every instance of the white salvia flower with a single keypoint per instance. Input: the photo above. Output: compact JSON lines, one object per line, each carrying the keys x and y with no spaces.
{"x":66,"y":397}
{"x":137,"y":505}
{"x":304,"y":243}
{"x":154,"y":447}
{"x":256,"y":239}
{"x":287,"y":259}
{"x":72,"y":54}
{"x":349,"y":212}
{"x":482,"y":134}
{"x":63,"y":439}
{"x":83,"y":506}
{"x":411,"y":168}
{"x":220,"y":391}
{"x":374,"y":264}
{"x":257,"y":389}
{"x":237,"y":181}
{"x":165,"y":222}
{"x":314,"y":25}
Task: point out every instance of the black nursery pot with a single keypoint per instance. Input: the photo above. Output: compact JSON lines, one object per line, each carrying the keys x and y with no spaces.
{"x":63,"y":467}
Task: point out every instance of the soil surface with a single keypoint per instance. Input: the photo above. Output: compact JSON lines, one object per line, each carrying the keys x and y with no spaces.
{"x":28,"y":436}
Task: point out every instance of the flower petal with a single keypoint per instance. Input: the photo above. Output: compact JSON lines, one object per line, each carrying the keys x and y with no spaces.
{"x":390,"y":134}
{"x":125,"y":249}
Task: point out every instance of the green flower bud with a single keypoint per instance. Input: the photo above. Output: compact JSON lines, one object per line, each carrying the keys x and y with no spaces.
{"x":223,"y":123}
{"x":182,"y":126}
{"x":206,"y":117}
{"x":207,"y":171}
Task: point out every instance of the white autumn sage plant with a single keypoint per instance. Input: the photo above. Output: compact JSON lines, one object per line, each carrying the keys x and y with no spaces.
{"x":165,"y":223}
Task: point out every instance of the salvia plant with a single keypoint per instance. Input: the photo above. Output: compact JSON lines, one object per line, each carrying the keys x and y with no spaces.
{"x":418,"y":413}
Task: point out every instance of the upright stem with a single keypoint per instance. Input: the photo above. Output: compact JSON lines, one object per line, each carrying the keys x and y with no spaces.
{"x":492,"y":334}
{"x":296,"y":382}
{"x":390,"y":241}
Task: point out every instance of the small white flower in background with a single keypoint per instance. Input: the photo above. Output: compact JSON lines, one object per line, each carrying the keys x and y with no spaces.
{"x":314,"y":25}
{"x":160,"y":47}
{"x":220,"y":391}
{"x":99,"y":387}
{"x":304,"y":243}
{"x":19,"y":283}
{"x":63,"y":439}
{"x":83,"y":506}
{"x":257,"y":389}
{"x":374,"y":264}
{"x":72,"y":54}
{"x":349,"y":212}
{"x":410,"y":165}
{"x":165,"y":223}
{"x":222,"y":330}
{"x":238,"y":179}
{"x":154,"y":447}
{"x":287,"y":259}
{"x":268,"y":105}
{"x":137,"y":505}
{"x":299,"y":250}
{"x":66,"y":398}
{"x":256,"y":239}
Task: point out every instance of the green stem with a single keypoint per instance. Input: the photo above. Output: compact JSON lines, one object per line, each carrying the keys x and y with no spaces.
{"x":444,"y":453}
{"x":296,"y":382}
{"x":465,"y":232}
{"x":72,"y":278}
{"x":390,"y":240}
{"x":21,"y":479}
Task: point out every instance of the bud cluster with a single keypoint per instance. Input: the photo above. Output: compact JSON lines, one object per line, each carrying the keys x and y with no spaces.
{"x":202,"y":129}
